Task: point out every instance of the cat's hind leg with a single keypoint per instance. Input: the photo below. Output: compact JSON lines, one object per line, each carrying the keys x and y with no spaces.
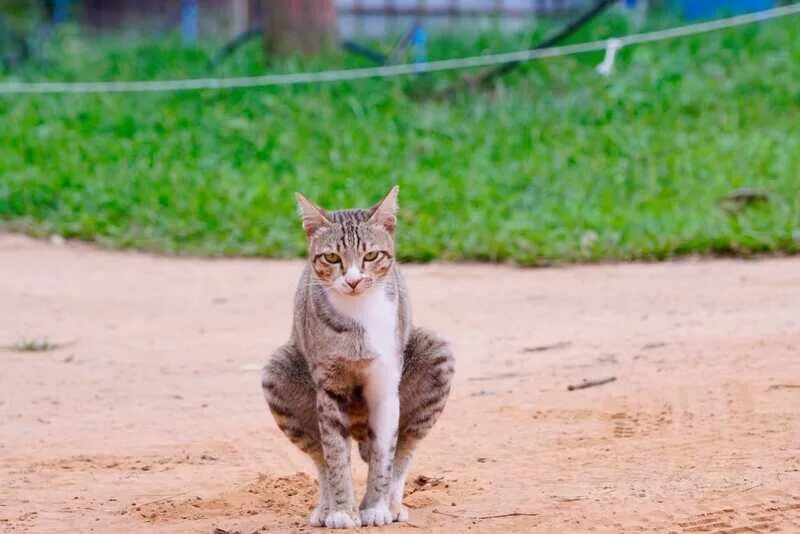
{"x":428,"y":368}
{"x":292,"y":399}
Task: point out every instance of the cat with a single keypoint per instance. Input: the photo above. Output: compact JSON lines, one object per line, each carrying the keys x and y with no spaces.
{"x":355,"y":366}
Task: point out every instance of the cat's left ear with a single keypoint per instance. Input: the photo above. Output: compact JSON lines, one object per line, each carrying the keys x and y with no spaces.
{"x":314,"y":217}
{"x":384,"y":212}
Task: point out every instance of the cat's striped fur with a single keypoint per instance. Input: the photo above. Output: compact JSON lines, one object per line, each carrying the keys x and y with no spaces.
{"x":355,"y":366}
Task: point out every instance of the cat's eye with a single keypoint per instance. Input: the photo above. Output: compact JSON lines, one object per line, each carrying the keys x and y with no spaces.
{"x":371,"y":256}
{"x":330,"y":257}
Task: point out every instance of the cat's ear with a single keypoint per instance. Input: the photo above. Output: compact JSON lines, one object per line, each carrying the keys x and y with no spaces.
{"x":384,"y":213}
{"x":313,"y":216}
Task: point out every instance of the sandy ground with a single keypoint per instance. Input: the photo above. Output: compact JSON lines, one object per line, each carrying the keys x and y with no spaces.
{"x":150,"y":417}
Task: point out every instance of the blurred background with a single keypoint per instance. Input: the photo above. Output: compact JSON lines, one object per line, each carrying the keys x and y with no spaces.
{"x":677,"y":147}
{"x":218,"y":19}
{"x":646,"y":398}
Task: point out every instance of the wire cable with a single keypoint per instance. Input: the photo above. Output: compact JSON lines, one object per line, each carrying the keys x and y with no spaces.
{"x":387,"y":71}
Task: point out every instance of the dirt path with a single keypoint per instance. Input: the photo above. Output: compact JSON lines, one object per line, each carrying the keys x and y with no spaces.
{"x":151,"y":417}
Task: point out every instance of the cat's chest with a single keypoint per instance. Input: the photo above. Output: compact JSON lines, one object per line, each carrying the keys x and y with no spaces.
{"x":377,"y":315}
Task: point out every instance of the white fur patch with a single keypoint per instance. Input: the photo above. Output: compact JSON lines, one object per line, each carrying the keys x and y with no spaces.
{"x":378,"y":316}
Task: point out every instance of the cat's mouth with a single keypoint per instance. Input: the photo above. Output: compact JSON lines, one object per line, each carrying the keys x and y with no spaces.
{"x":354,"y":291}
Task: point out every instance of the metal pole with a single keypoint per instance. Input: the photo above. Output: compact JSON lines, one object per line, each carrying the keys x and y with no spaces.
{"x":189,"y":21}
{"x":60,"y":11}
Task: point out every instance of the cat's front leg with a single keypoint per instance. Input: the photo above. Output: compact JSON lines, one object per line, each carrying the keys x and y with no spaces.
{"x":383,"y":402}
{"x":334,"y":434}
{"x":320,"y":513}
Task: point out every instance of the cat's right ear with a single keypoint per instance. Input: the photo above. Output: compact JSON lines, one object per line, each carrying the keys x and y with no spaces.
{"x":314,"y":217}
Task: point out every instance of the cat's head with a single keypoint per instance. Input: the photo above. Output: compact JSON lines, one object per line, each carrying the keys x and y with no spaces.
{"x":350,"y":250}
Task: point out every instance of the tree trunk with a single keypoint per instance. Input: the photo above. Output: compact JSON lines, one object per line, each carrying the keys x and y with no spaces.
{"x":298,"y":26}
{"x":240,"y":17}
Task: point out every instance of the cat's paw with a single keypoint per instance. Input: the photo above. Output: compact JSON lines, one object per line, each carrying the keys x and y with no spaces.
{"x":342,"y":519}
{"x":399,"y":513}
{"x":376,"y":515}
{"x":318,"y":515}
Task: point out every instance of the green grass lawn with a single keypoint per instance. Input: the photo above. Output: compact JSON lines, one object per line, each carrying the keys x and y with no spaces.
{"x":557,"y":164}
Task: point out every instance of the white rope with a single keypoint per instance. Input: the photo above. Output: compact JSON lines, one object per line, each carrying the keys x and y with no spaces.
{"x":607,"y":66}
{"x":393,"y":70}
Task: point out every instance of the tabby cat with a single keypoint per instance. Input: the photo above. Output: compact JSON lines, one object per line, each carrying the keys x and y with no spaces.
{"x":355,"y":366}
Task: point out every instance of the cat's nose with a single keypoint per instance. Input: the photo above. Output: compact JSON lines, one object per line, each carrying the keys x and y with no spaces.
{"x":352,"y":282}
{"x":352,"y":277}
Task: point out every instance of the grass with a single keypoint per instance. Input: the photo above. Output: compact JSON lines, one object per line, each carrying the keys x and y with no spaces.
{"x":34,"y":345}
{"x":556,"y":165}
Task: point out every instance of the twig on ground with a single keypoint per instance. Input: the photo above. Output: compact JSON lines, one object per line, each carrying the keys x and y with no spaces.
{"x":542,"y":348}
{"x":754,"y":486}
{"x":512,"y":514}
{"x":773,"y":387}
{"x":499,"y":376}
{"x":591,"y":383}
{"x":455,"y":516}
{"x":482,"y":517}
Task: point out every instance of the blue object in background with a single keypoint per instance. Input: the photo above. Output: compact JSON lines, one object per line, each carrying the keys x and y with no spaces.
{"x":60,"y":11}
{"x":419,"y":44}
{"x":189,"y":21}
{"x":700,"y":9}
